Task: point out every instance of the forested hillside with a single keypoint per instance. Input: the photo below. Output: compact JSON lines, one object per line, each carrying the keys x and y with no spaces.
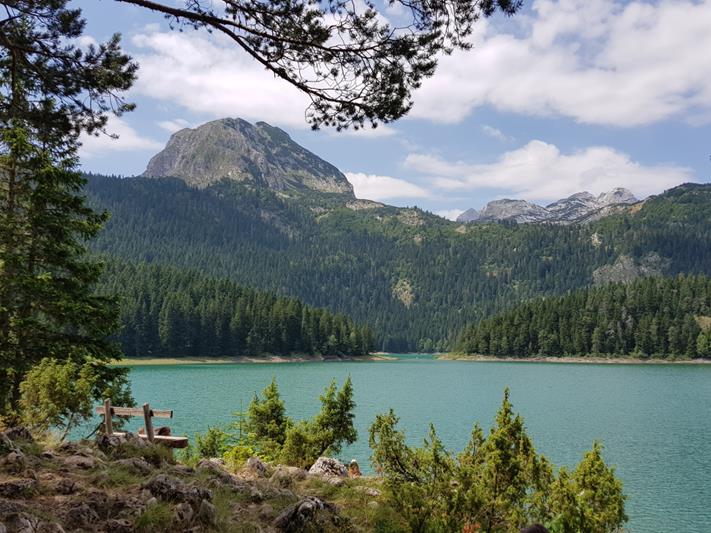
{"x":167,"y":312}
{"x":649,"y":317}
{"x":414,"y":278}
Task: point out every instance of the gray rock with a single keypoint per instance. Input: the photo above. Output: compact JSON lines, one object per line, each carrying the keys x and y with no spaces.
{"x":136,"y":465}
{"x":207,"y":513}
{"x":305,"y":514}
{"x":579,"y":207}
{"x":259,"y":154}
{"x":256,"y":465}
{"x":184,"y":513}
{"x":19,"y":488}
{"x":80,"y":461}
{"x":81,"y":516}
{"x":14,"y":462}
{"x":21,"y":523}
{"x":172,"y":489}
{"x":284,"y":476}
{"x":328,"y":467}
{"x":19,"y":433}
{"x":65,"y":486}
{"x":116,"y":525}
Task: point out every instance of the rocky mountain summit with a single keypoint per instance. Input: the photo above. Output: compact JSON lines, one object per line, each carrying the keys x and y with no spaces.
{"x":575,"y":208}
{"x":235,"y":149}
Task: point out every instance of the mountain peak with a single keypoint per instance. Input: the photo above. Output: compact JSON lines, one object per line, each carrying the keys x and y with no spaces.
{"x":564,"y":211}
{"x":235,"y":149}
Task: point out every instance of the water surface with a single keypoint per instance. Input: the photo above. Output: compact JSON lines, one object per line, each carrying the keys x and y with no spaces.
{"x":653,"y":419}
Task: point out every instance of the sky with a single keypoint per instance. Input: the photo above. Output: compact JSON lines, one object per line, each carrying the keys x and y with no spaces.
{"x":566,"y":96}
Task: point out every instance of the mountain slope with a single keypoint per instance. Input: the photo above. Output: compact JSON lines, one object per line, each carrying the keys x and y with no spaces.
{"x":651,"y":316}
{"x":414,"y":278}
{"x":237,"y":150}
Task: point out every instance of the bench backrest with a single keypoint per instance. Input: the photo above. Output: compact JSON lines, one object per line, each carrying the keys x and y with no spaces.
{"x":146,"y":412}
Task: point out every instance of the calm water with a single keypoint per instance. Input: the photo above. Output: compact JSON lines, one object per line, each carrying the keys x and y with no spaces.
{"x":653,"y":419}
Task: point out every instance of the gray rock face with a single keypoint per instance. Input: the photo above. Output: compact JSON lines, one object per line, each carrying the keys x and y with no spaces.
{"x":470,"y":215}
{"x":579,"y":207}
{"x":237,"y":150}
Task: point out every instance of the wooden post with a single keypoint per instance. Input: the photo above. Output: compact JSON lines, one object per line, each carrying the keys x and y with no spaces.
{"x":148,"y":421}
{"x":108,"y":424}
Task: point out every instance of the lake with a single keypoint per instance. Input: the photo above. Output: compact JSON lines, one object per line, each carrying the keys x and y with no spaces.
{"x":653,"y":419}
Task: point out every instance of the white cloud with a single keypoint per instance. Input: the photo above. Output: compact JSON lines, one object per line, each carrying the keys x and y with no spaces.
{"x":496,"y":133}
{"x":450,"y":214}
{"x":539,"y":171}
{"x":365,"y":132}
{"x":128,"y":140}
{"x":602,"y":62}
{"x":208,"y":75}
{"x":174,"y":125}
{"x":372,"y":187}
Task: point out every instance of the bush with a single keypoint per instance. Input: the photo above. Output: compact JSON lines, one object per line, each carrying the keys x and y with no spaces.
{"x":498,"y":483}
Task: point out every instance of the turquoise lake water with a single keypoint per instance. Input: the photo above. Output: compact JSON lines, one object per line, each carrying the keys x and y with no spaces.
{"x":653,"y":419}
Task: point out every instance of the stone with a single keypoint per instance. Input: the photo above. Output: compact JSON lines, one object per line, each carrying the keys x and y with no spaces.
{"x":172,"y":489}
{"x":354,"y":469}
{"x":81,"y":516}
{"x":304,"y":514}
{"x":65,"y":486}
{"x":284,"y":476}
{"x":80,"y":461}
{"x":368,"y":491}
{"x":184,"y":513}
{"x":50,"y":527}
{"x":255,"y":465}
{"x":116,"y":525}
{"x":21,"y":523}
{"x":207,"y":513}
{"x":14,"y":462}
{"x":136,"y":465}
{"x":19,"y":488}
{"x":18,"y":433}
{"x":327,"y":466}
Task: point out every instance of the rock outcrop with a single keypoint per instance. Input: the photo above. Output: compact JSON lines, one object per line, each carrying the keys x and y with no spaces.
{"x":579,"y":207}
{"x":235,"y":149}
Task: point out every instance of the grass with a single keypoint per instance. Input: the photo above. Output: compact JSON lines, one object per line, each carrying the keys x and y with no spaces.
{"x":158,"y":517}
{"x":117,"y":476}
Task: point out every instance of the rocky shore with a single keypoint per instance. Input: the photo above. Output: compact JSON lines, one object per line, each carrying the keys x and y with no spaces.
{"x":123,"y":484}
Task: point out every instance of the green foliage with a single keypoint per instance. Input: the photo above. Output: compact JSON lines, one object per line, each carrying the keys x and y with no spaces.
{"x":168,"y":312}
{"x":266,"y":421}
{"x":351,"y":261}
{"x":498,"y":483}
{"x":265,"y":430}
{"x":648,"y":317}
{"x":156,"y":517}
{"x":52,"y":91}
{"x":61,"y":394}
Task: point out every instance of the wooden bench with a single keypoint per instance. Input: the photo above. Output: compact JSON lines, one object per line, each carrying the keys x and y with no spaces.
{"x":148,"y":414}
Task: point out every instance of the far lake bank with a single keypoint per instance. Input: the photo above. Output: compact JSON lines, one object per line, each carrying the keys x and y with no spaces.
{"x":593,"y":360}
{"x":169,"y":361}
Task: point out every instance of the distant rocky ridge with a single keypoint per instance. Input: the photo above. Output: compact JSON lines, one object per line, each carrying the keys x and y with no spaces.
{"x":235,"y":149}
{"x":576,"y":208}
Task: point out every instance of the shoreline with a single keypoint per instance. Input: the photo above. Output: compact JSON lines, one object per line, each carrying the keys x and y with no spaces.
{"x":591,"y":360}
{"x":244,"y":359}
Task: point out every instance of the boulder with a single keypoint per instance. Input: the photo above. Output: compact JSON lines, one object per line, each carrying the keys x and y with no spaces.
{"x":328,"y":467}
{"x":82,"y":516}
{"x":305,"y":514}
{"x":136,"y":465}
{"x":207,"y":513}
{"x":184,"y":514}
{"x":14,"y":462}
{"x":256,"y":466}
{"x":80,"y":461}
{"x":172,"y":489}
{"x":65,"y":486}
{"x":284,"y":476}
{"x":116,"y":525}
{"x":21,"y":523}
{"x":18,"y":433}
{"x":19,"y":488}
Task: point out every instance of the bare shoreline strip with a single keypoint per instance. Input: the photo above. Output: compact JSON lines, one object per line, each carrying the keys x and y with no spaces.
{"x":573,"y":360}
{"x":145,"y":361}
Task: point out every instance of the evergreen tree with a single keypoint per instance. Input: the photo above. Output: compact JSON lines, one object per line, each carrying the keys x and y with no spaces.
{"x":52,"y":91}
